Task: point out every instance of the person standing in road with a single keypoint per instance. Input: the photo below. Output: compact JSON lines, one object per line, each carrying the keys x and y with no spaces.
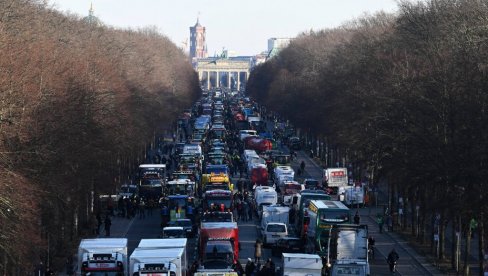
{"x":257,"y":250}
{"x":380,"y":222}
{"x":357,"y":218}
{"x":250,"y":267}
{"x":108,"y":223}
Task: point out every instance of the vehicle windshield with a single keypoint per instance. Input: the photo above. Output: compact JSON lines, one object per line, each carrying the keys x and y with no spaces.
{"x":175,"y":189}
{"x":177,"y":202}
{"x":349,"y":270}
{"x":173,"y":233}
{"x":219,"y":250}
{"x":217,"y":217}
{"x":311,"y":184}
{"x":151,"y":182}
{"x":128,"y":189}
{"x":183,"y":223}
{"x":217,"y":201}
{"x":291,"y":189}
{"x":334,"y":216}
{"x":276,"y":228}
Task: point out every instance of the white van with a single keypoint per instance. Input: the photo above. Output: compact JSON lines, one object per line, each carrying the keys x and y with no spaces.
{"x":273,"y":231}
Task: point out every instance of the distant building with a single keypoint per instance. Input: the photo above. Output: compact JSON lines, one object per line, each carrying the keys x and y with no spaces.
{"x":198,"y":47}
{"x":275,"y":45}
{"x":91,"y":18}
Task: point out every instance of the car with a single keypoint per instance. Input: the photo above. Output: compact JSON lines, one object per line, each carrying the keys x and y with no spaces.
{"x":173,"y":232}
{"x":287,"y":245}
{"x":187,"y":225}
{"x":312,"y":184}
{"x":294,"y":143}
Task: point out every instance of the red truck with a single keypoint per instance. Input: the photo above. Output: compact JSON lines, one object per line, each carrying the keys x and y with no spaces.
{"x":257,"y":143}
{"x":259,"y":176}
{"x":219,"y":244}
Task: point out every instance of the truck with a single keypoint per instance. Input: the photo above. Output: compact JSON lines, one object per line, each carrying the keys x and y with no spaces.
{"x":219,"y":244}
{"x":168,"y":244}
{"x":151,"y":180}
{"x":301,"y":207}
{"x":289,"y":190}
{"x":352,"y":195}
{"x":335,"y":178}
{"x":323,"y":215}
{"x":215,"y":272}
{"x":348,"y":250}
{"x":102,"y":255}
{"x":275,"y":214}
{"x":283,"y":173}
{"x":151,"y":261}
{"x":297,"y":264}
{"x":264,"y":195}
{"x":257,"y":143}
{"x":259,"y":175}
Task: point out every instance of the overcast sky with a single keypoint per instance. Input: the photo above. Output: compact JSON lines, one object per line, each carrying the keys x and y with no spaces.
{"x":242,"y":26}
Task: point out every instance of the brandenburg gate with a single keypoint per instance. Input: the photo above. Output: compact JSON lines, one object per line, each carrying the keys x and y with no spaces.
{"x":230,"y":72}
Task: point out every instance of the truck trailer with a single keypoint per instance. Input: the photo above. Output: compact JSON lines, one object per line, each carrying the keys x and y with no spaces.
{"x":104,"y":255}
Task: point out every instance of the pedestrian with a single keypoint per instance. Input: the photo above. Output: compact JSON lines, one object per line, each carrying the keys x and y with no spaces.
{"x":142,"y":209}
{"x":108,"y":223}
{"x":357,"y":218}
{"x":250,"y":212}
{"x":302,"y":166}
{"x":245,"y":211}
{"x":94,"y":224}
{"x":250,"y":266}
{"x":380,"y":222}
{"x":100,"y":222}
{"x":272,"y":266}
{"x":257,"y":250}
{"x":389,"y":223}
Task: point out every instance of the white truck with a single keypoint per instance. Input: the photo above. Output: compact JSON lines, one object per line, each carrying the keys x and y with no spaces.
{"x":104,"y":255}
{"x":275,"y":214}
{"x":264,"y":195}
{"x":215,"y":272}
{"x":351,"y":195}
{"x":282,"y":174}
{"x":168,"y":243}
{"x":335,"y":178}
{"x":145,"y":261}
{"x":351,"y":248}
{"x":296,"y":264}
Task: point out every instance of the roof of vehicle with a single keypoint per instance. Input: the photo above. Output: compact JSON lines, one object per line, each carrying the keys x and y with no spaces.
{"x":164,"y":243}
{"x":172,"y":228}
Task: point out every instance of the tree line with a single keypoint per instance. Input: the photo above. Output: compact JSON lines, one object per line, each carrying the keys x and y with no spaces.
{"x":79,"y":104}
{"x":405,"y":97}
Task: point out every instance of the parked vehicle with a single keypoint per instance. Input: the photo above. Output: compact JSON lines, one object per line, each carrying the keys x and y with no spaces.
{"x":151,"y":260}
{"x":273,"y":231}
{"x":172,"y":232}
{"x":103,"y":255}
{"x":335,"y":178}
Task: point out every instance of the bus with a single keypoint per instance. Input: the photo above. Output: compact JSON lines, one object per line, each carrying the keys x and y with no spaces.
{"x":300,"y":205}
{"x":323,"y":214}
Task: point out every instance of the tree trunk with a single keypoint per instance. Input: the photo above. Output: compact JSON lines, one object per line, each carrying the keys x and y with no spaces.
{"x":481,"y":242}
{"x":466,"y":252}
{"x":442,"y":239}
{"x":453,"y":243}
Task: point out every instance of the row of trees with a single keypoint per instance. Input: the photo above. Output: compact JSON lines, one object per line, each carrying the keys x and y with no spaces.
{"x":404,"y":95}
{"x":79,"y":103}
